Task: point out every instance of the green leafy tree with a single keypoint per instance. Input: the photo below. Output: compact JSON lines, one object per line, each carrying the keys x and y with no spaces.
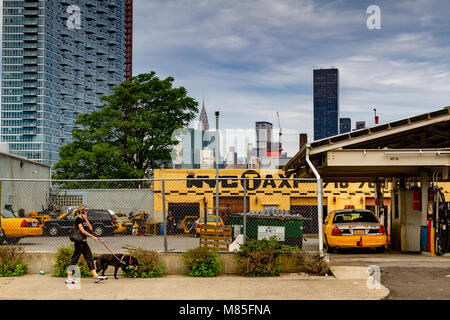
{"x":131,"y":134}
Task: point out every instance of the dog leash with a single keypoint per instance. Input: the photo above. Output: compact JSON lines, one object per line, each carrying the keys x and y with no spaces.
{"x":111,"y":251}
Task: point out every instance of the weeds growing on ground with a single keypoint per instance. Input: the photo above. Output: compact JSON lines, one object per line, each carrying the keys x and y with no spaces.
{"x":149,"y":264}
{"x":11,"y":261}
{"x":311,"y":262}
{"x":261,"y":258}
{"x":202,"y":262}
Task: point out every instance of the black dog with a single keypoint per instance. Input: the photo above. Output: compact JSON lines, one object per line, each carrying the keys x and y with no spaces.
{"x":104,"y":260}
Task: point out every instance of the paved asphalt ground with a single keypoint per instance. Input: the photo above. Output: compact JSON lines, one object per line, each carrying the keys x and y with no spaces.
{"x":407,"y":276}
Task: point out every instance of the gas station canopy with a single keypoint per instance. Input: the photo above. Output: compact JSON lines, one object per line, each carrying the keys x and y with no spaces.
{"x":403,"y":148}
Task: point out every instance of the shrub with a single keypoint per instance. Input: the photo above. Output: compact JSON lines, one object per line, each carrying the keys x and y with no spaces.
{"x":202,"y":262}
{"x":11,"y":262}
{"x":149,"y":264}
{"x":63,"y":256}
{"x":311,"y":263}
{"x":261,"y":258}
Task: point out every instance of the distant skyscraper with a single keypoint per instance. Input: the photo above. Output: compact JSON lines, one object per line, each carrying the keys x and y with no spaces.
{"x":326,"y":103}
{"x":263,"y":137}
{"x":203,"y":124}
{"x":59,"y":58}
{"x":345,"y":125}
{"x":360,"y":125}
{"x":303,"y":139}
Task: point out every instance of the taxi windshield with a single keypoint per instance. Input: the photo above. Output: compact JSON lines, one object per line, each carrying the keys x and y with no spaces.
{"x":361,"y":216}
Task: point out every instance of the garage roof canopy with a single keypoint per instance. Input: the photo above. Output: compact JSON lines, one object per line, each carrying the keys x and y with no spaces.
{"x":425,"y":134}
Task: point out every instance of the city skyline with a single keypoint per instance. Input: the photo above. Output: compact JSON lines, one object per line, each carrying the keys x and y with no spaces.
{"x":253,"y":59}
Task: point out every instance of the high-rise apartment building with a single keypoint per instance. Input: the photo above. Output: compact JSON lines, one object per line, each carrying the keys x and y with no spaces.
{"x":128,"y":39}
{"x":59,"y":58}
{"x":326,"y":103}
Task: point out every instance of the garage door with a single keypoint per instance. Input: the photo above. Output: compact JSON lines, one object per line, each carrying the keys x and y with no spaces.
{"x":230,"y":205}
{"x":180,"y":210}
{"x":307,"y":207}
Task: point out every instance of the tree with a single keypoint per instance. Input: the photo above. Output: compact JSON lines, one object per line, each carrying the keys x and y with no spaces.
{"x":130,"y":134}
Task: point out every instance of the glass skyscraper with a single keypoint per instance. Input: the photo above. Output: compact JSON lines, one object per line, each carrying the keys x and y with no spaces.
{"x":326,"y":103}
{"x":345,"y":125}
{"x":58,"y":58}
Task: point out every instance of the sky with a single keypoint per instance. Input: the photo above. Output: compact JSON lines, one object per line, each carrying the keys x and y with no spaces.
{"x":252,"y":58}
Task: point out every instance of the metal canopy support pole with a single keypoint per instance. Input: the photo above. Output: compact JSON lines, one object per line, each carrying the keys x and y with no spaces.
{"x":319,"y":199}
{"x":217,"y":168}
{"x":245,"y":210}
{"x":164,"y":215}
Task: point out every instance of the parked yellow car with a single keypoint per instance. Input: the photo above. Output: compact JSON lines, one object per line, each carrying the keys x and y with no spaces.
{"x":353,"y":228}
{"x":210,"y":221}
{"x":13,"y":228}
{"x":41,"y":219}
{"x":125,"y":226}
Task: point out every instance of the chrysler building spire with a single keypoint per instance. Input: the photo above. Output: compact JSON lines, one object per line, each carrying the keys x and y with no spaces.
{"x":203,"y":124}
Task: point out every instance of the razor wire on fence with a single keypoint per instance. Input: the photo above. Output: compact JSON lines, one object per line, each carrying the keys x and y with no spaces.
{"x":166,"y":215}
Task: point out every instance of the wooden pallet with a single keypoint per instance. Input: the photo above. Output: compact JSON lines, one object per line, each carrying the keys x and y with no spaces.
{"x":216,"y":237}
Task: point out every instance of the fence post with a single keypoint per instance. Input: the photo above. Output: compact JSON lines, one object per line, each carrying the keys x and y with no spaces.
{"x":164,"y":215}
{"x":244,"y":231}
{"x":320,"y":213}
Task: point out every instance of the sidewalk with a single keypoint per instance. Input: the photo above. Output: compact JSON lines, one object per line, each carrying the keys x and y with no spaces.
{"x":349,"y":284}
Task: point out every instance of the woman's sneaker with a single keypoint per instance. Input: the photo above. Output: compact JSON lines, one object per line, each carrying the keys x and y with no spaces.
{"x":70,"y":281}
{"x":99,"y":278}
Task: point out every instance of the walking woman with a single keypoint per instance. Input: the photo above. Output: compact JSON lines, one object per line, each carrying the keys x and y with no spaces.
{"x":82,"y":247}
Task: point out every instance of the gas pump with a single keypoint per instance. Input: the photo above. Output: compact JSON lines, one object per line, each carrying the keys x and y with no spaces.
{"x":441,"y":222}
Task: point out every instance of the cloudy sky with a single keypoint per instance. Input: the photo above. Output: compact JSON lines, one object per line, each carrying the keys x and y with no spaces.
{"x":252,"y":58}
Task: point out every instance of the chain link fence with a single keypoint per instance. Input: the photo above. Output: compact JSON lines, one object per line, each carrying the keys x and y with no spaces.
{"x":164,"y":215}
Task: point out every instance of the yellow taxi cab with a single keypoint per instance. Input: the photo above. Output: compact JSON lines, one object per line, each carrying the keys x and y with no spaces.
{"x":353,"y":228}
{"x":210,"y":221}
{"x":14,"y":228}
{"x":125,"y":225}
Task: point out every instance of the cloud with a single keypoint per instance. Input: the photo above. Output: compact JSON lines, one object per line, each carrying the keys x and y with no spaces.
{"x":253,"y":58}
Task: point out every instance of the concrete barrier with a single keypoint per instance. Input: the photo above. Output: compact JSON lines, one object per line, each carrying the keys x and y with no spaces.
{"x":174,"y":264}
